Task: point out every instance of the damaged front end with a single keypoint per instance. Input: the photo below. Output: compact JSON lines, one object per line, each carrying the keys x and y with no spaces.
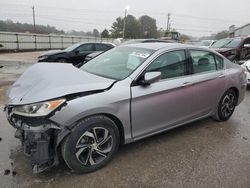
{"x":40,"y":137}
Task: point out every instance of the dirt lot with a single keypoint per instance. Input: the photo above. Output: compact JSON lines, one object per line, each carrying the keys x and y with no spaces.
{"x":201,"y":154}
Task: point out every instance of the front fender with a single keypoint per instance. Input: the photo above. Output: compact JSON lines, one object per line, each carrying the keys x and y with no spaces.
{"x":116,"y":104}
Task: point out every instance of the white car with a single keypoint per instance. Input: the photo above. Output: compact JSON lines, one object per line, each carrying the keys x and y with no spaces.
{"x":246,"y":65}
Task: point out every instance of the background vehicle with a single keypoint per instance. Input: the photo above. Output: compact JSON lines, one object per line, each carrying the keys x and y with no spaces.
{"x":125,"y":94}
{"x":135,"y":41}
{"x":235,"y":49}
{"x":89,"y":57}
{"x":205,"y":43}
{"x":246,"y":65}
{"x":75,"y":53}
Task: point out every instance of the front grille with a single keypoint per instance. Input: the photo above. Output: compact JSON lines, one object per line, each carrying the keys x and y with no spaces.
{"x":30,"y":121}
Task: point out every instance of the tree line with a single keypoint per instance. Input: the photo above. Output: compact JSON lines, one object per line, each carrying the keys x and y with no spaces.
{"x":142,"y":27}
{"x":9,"y":25}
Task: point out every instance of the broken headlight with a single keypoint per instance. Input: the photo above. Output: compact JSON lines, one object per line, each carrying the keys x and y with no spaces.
{"x":38,"y":109}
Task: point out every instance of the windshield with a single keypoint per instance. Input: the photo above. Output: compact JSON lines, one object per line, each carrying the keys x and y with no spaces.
{"x":70,"y":48}
{"x":226,"y":43}
{"x":117,"y":63}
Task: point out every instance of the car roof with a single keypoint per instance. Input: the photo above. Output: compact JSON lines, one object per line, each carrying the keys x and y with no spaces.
{"x":157,"y":45}
{"x":109,"y":43}
{"x":133,"y":41}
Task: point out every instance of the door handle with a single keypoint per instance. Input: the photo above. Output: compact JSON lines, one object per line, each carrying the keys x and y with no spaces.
{"x":186,"y":84}
{"x":221,"y":76}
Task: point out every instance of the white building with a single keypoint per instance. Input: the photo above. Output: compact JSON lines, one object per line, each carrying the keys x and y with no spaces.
{"x":240,"y":31}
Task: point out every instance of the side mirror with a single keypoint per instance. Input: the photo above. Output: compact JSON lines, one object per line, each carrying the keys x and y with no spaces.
{"x":77,"y":52}
{"x":149,"y":78}
{"x":246,"y":45}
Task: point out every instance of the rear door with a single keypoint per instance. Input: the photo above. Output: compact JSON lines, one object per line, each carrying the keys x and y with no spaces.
{"x":81,"y":52}
{"x":102,"y":47}
{"x":209,"y":79}
{"x":166,"y":102}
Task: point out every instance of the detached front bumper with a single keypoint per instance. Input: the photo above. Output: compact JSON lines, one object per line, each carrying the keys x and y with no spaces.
{"x":40,"y":138}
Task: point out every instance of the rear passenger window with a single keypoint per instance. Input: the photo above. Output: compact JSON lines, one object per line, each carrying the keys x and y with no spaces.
{"x":203,"y":61}
{"x":170,"y":64}
{"x":101,"y":47}
{"x":85,"y":47}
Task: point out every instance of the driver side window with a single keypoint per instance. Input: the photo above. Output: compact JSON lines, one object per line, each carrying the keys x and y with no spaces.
{"x":171,"y":64}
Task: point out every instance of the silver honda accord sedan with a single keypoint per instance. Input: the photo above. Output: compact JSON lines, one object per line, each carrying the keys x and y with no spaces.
{"x":125,"y":94}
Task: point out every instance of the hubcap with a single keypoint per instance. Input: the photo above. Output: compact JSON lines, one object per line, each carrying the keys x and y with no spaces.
{"x":94,"y":146}
{"x":228,"y":105}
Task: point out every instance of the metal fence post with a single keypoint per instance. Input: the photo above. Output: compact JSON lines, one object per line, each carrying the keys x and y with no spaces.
{"x":50,"y":42}
{"x":17,"y":42}
{"x":35,"y":43}
{"x":62,"y":41}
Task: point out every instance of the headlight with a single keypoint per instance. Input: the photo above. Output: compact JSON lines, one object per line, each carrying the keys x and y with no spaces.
{"x":42,"y":57}
{"x":38,"y":109}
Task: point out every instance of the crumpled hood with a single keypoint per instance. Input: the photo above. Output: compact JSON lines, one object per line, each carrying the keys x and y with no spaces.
{"x":45,"y":81}
{"x":52,"y":52}
{"x":222,"y":50}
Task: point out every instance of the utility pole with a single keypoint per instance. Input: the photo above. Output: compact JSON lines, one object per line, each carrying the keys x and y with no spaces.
{"x":168,"y":23}
{"x":34,"y":21}
{"x":124,"y":24}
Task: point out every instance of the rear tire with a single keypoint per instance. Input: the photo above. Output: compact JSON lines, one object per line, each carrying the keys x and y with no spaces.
{"x":91,"y":144}
{"x":226,"y":106}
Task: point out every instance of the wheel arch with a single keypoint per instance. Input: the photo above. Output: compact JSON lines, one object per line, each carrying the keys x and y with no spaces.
{"x":118,"y":124}
{"x":116,"y":120}
{"x":236,"y":92}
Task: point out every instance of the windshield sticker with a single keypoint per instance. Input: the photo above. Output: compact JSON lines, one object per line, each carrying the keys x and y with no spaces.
{"x":133,"y":62}
{"x":140,"y":54}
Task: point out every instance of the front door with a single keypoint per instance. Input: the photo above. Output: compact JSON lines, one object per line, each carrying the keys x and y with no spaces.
{"x":166,"y":102}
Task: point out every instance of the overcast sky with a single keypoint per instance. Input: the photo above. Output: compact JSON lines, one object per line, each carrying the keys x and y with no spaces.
{"x":192,"y":17}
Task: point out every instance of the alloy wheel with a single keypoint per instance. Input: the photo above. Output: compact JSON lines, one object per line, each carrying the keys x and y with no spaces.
{"x":228,"y":105}
{"x":94,"y":146}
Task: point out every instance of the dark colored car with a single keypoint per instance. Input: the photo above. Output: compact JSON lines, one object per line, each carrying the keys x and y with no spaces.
{"x":74,"y":54}
{"x":134,"y":41}
{"x":235,"y":49}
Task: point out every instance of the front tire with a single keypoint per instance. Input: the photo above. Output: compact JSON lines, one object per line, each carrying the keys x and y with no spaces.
{"x":226,"y":106}
{"x":91,"y":144}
